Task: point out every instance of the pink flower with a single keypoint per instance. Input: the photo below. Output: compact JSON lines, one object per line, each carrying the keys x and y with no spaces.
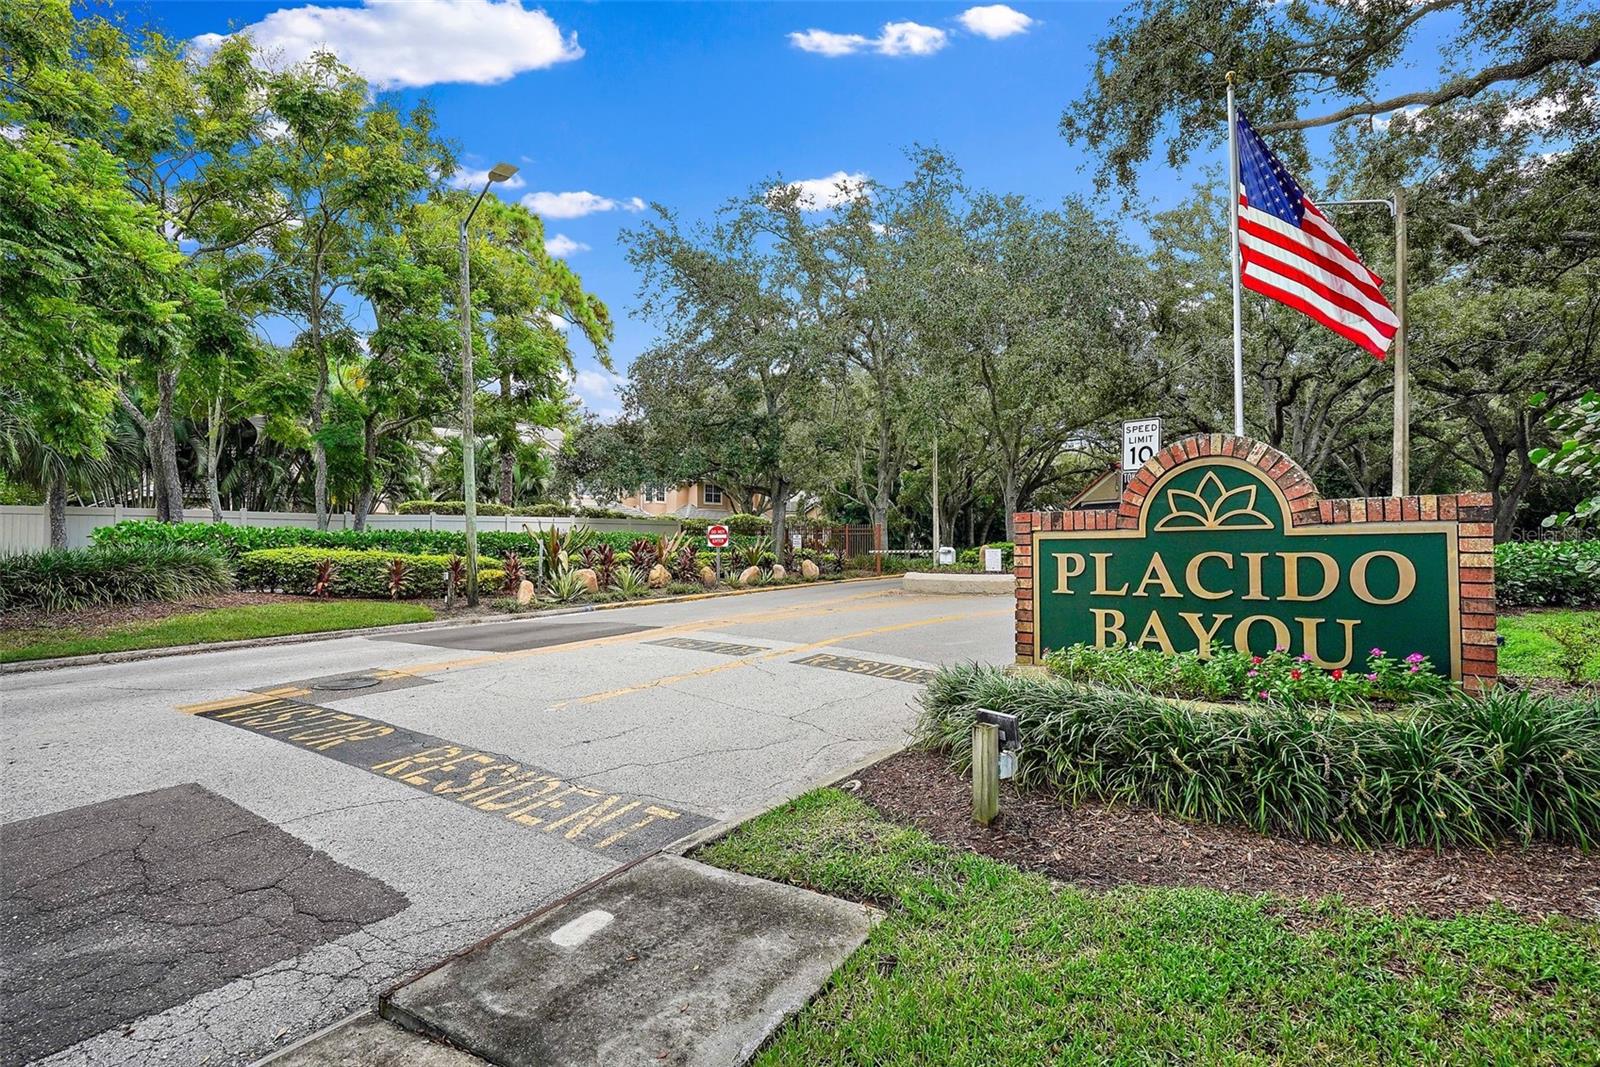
{"x":1305,"y":657}
{"x":1415,"y":657}
{"x":1372,"y":677}
{"x":1281,"y":648}
{"x":1262,"y":694}
{"x":1377,"y":652}
{"x":1255,"y":659}
{"x":1415,"y":667}
{"x":1251,"y":673}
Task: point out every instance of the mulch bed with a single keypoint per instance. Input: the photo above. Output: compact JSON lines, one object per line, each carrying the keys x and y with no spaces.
{"x":1100,"y":847}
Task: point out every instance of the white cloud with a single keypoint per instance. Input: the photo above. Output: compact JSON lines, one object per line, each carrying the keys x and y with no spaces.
{"x":995,"y":21}
{"x":895,"y":39}
{"x":561,"y":246}
{"x":1410,"y":114}
{"x":396,"y":44}
{"x":575,"y":205}
{"x":466,"y":178}
{"x":599,"y":392}
{"x":820,"y":194}
{"x":560,"y":325}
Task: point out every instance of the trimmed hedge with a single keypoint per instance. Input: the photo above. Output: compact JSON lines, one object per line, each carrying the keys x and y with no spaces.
{"x":1456,"y":770}
{"x":72,"y":579}
{"x":450,"y":507}
{"x":738,"y":524}
{"x":355,"y":574}
{"x":1547,"y":573}
{"x":234,"y":541}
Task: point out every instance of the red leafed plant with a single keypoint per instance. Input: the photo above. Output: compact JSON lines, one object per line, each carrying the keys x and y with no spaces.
{"x":602,"y":559}
{"x":514,"y":574}
{"x":455,"y":576}
{"x":398,"y":569}
{"x":322,"y":583}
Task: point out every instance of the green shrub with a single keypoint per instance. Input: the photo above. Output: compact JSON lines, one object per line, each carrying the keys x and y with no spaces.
{"x":1454,"y":770}
{"x":1228,"y":675}
{"x":357,"y":573}
{"x":234,"y":541}
{"x":73,"y":579}
{"x":451,"y":507}
{"x":1547,"y":573}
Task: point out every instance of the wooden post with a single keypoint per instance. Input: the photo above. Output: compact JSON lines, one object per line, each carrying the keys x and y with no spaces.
{"x":985,"y":773}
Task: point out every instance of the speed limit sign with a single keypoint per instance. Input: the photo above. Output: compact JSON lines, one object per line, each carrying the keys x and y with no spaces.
{"x":717,"y":536}
{"x":1141,"y":440}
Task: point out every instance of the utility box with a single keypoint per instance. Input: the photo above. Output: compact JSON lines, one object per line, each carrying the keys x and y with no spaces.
{"x":947,"y":556}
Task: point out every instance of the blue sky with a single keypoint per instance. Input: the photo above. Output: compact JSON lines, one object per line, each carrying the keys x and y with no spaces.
{"x":687,"y":105}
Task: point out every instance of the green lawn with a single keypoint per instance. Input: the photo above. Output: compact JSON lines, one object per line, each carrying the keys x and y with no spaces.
{"x":219,"y":624}
{"x":1530,"y":651}
{"x":979,"y":963}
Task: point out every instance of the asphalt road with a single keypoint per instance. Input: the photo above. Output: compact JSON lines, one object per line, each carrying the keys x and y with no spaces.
{"x":209,"y":857}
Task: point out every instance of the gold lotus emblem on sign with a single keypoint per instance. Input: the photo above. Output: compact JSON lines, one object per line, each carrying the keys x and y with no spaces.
{"x":1212,"y":507}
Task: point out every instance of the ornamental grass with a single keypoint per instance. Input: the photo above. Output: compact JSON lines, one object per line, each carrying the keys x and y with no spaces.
{"x":1449,"y":770}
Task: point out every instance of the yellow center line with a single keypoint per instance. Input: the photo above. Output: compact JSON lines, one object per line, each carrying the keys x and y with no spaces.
{"x":595,"y":698}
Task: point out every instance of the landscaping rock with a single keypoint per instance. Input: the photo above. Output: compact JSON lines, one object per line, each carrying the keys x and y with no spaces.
{"x":659,"y":576}
{"x":708,"y":577}
{"x":809,"y":570}
{"x":778,"y":572}
{"x":524,"y":593}
{"x":750,"y":576}
{"x":590,"y":580}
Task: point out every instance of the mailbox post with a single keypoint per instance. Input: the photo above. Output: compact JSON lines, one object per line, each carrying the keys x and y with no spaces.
{"x":995,"y":742}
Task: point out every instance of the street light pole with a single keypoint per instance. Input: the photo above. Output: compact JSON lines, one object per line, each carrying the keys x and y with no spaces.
{"x":469,"y":387}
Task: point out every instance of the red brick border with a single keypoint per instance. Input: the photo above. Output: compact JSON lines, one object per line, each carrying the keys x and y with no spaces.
{"x":1473,"y":514}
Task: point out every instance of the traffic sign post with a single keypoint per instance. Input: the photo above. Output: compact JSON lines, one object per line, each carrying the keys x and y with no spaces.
{"x":717,"y":538}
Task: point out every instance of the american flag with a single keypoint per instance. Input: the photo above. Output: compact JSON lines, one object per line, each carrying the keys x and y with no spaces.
{"x":1290,"y":251}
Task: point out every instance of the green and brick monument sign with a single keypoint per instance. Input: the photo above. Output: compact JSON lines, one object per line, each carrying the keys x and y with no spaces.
{"x":1222,"y":542}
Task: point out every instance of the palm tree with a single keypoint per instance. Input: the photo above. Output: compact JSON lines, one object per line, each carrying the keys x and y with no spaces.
{"x":29,"y":460}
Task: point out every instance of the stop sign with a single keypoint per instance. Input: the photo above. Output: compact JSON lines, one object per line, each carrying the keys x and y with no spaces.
{"x":717,"y":536}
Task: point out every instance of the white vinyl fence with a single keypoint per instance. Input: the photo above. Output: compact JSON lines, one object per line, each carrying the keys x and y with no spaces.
{"x":24,"y":528}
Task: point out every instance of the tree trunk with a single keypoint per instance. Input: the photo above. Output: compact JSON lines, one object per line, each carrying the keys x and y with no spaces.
{"x":169,"y":482}
{"x":780,"y":516}
{"x":1009,"y":502}
{"x":508,"y":445}
{"x":369,"y":461}
{"x":213,"y":431}
{"x":56,"y":500}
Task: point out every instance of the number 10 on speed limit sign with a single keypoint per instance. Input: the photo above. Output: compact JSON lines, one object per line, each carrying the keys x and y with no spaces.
{"x":1141,"y":439}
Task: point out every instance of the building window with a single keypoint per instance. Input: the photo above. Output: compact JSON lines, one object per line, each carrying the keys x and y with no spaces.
{"x":655,"y":494}
{"x":711,"y":494}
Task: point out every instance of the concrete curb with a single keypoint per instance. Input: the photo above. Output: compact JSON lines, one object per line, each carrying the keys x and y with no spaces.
{"x":133,"y":655}
{"x":982,"y":584}
{"x":717,"y":831}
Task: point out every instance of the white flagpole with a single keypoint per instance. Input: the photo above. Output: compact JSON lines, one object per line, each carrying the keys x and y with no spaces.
{"x":1233,"y":239}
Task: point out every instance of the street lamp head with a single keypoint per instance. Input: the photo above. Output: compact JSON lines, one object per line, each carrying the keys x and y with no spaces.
{"x":501,"y":171}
